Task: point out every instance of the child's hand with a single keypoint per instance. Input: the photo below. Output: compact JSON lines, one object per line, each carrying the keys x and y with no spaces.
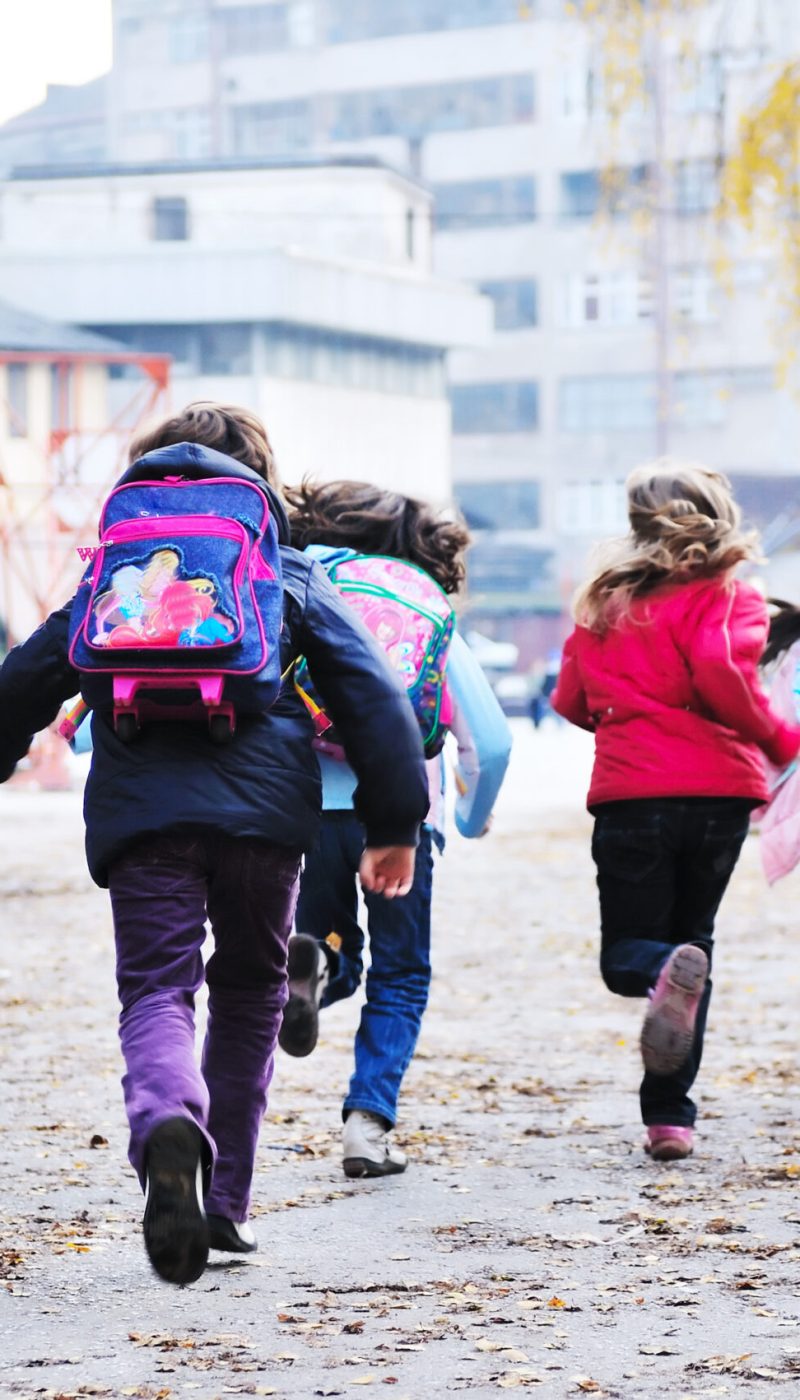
{"x":388,"y":870}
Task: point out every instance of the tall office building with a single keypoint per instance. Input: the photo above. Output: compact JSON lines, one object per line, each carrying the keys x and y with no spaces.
{"x":499,"y":107}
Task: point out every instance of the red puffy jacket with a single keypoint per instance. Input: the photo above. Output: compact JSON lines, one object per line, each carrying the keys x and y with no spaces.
{"x":673,"y":696}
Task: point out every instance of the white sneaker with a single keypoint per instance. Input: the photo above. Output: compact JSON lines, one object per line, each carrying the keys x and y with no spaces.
{"x":309,"y":974}
{"x":367,"y":1150}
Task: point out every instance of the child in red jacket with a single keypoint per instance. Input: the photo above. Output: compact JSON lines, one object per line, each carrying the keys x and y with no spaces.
{"x":662,"y":667}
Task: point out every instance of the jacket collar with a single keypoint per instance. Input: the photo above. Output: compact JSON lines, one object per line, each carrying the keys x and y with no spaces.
{"x":189,"y":459}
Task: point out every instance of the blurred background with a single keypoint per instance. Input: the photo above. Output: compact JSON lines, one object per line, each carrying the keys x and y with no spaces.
{"x":493,"y":252}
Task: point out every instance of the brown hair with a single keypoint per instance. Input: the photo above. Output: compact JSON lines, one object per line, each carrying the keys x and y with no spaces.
{"x":684,"y":524}
{"x":227,"y":428}
{"x":356,"y":515}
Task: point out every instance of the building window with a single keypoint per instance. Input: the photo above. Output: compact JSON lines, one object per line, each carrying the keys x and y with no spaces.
{"x":523,"y":576}
{"x":592,"y":507}
{"x":510,"y":406}
{"x":17,"y":400}
{"x":225,"y":349}
{"x":500,"y":505}
{"x":351,"y":20}
{"x":696,"y":185}
{"x":254,"y":28}
{"x":272,"y":128}
{"x":628,"y":402}
{"x":694,"y":295}
{"x":579,"y":92}
{"x":606,"y":299}
{"x":516,"y":303}
{"x":424,"y":108}
{"x":191,"y":139}
{"x":486,"y":203}
{"x":170,"y":219}
{"x":189,"y":38}
{"x":410,"y":232}
{"x":584,"y":193}
{"x":699,"y":83}
{"x":607,"y":403}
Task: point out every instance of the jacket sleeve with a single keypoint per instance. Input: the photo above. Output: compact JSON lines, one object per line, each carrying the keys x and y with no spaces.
{"x":569,"y":697}
{"x":484,"y":740}
{"x":371,"y":711}
{"x":35,"y":680}
{"x":723,"y":650}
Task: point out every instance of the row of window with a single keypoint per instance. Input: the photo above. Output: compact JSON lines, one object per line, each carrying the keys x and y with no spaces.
{"x":353,"y":20}
{"x":604,"y":402}
{"x":294,"y":352}
{"x":272,"y":128}
{"x":511,"y":199}
{"x":593,"y":507}
{"x":273,"y":27}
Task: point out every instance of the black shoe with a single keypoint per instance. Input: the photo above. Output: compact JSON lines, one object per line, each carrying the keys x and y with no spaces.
{"x":175,"y":1225}
{"x":308,"y":978}
{"x":225,"y":1234}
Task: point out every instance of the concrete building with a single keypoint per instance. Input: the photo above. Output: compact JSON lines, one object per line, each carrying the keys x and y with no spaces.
{"x":498,"y":107}
{"x":302,"y":289}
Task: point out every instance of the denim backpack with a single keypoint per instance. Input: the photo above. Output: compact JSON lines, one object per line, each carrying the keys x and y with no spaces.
{"x":411,"y":619}
{"x":178,"y":615}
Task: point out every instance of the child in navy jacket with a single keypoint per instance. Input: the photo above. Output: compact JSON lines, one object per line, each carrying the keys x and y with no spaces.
{"x":180,"y":829}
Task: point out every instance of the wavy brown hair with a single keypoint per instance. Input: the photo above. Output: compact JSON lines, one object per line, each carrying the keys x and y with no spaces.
{"x":227,"y":428}
{"x":684,"y":525}
{"x":356,"y":515}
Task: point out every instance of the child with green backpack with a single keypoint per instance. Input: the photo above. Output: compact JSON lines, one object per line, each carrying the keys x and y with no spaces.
{"x":395,"y":561}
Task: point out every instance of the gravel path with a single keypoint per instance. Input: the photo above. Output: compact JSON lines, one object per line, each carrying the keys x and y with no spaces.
{"x":530,"y":1245}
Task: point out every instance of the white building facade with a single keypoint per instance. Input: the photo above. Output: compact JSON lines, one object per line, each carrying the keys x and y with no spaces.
{"x":497,"y":106}
{"x":302,"y":290}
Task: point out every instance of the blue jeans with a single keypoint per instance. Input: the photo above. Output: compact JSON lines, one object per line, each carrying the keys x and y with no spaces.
{"x":663,"y":865}
{"x":400,"y":968}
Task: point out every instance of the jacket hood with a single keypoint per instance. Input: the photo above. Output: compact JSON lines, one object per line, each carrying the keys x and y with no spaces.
{"x":191,"y":460}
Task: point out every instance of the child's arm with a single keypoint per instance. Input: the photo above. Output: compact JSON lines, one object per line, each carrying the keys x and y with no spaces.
{"x":724,"y":648}
{"x":371,"y":711}
{"x":35,"y":680}
{"x":569,"y":697}
{"x":484,"y":739}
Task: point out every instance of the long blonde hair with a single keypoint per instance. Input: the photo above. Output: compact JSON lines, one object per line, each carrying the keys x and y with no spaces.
{"x":684,"y":524}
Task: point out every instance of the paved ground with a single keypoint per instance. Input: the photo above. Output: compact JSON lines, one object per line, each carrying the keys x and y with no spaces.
{"x":531,"y":1245}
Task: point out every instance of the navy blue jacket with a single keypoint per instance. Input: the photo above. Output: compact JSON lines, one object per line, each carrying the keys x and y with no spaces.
{"x":265,"y":782}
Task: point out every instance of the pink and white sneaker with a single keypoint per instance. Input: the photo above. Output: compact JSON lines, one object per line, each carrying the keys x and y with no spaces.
{"x":668,"y":1029}
{"x":665,"y":1143}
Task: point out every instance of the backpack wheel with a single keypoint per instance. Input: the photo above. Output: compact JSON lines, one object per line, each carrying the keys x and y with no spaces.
{"x":126,"y":727}
{"x":220,"y":728}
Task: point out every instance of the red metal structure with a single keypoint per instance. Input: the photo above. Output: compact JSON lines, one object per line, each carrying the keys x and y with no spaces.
{"x":38,"y":542}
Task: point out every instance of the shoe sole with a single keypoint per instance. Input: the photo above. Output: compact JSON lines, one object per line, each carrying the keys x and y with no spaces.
{"x":299,"y":1030}
{"x":668,"y":1151}
{"x":358,"y":1167}
{"x":175,"y":1226}
{"x":668,"y":1030}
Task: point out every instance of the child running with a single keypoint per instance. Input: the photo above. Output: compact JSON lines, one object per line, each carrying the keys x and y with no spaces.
{"x":779,"y":823}
{"x":179,"y":828}
{"x":333,"y":522}
{"x":662,"y":667}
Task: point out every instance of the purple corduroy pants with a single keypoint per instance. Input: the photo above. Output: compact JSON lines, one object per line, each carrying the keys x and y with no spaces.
{"x":162,"y":891}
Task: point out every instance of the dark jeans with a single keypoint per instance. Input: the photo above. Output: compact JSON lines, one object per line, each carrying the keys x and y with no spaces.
{"x":400,"y":969}
{"x":162,"y":890}
{"x":663,"y":865}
